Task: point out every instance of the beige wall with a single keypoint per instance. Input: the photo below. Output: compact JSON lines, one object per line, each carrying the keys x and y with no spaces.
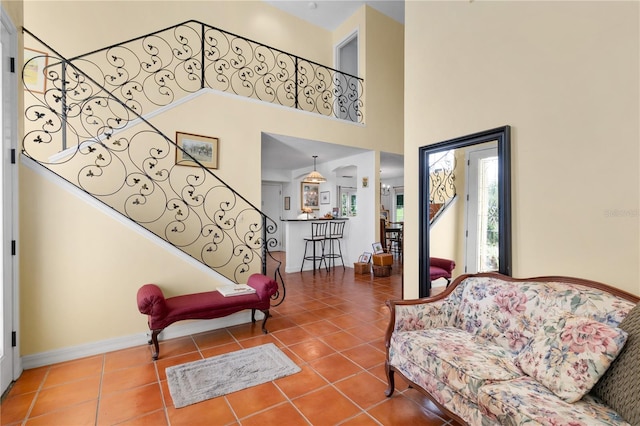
{"x":564,"y":75}
{"x":81,"y":269}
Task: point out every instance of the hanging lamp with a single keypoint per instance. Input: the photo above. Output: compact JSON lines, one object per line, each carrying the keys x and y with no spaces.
{"x":314,"y":176}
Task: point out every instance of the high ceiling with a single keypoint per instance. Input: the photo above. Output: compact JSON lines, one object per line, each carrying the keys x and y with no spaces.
{"x":329,"y":14}
{"x":285,"y":152}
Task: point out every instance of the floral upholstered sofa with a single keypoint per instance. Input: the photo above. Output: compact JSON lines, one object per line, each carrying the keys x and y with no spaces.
{"x":541,"y":351}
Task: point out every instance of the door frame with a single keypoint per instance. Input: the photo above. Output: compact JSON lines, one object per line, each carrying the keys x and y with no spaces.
{"x":10,"y":362}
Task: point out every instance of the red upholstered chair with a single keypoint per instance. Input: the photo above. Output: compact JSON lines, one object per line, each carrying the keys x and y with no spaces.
{"x":441,"y":268}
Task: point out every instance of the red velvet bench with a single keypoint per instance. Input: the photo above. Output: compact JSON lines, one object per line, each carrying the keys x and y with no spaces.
{"x":211,"y":304}
{"x":441,"y":268}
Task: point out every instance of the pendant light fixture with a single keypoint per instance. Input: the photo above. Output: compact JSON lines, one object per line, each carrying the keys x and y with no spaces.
{"x":314,"y":176}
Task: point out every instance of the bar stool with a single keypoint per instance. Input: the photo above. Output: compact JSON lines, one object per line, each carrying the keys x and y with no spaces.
{"x":318,"y":235}
{"x":336,"y":232}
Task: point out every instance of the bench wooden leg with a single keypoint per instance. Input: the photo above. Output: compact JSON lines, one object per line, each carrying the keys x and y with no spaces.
{"x":156,"y":346}
{"x":264,"y":321}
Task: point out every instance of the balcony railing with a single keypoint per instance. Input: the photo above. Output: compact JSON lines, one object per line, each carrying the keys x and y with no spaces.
{"x":159,"y":68}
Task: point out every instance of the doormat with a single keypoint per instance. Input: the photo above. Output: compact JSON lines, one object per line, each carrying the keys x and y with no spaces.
{"x":212,"y":377}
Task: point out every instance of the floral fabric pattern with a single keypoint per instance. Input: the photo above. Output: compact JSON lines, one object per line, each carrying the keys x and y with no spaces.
{"x":525,"y":401}
{"x":463,"y":349}
{"x":428,"y":315}
{"x":570,"y":353}
{"x":456,"y":357}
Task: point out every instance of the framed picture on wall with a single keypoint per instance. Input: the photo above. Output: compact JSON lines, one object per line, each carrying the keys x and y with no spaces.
{"x":287,"y":203}
{"x":35,"y":65}
{"x":324,"y":197}
{"x":203,"y":149}
{"x":309,"y":195}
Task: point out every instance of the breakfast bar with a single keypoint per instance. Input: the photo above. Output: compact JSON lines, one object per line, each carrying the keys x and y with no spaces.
{"x":295,"y":231}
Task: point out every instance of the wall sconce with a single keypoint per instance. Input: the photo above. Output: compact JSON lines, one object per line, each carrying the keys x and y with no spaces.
{"x":385,"y":189}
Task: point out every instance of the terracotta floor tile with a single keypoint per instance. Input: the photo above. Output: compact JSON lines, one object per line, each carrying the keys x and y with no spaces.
{"x":320,"y":328}
{"x":346,"y":321}
{"x":366,"y":332}
{"x":304,"y":317}
{"x":127,"y":378}
{"x":121,"y":406}
{"x":401,"y":411}
{"x":361,"y":420}
{"x":212,"y":411}
{"x":328,"y":312}
{"x":72,"y":393}
{"x":284,"y":414}
{"x":257,"y":398}
{"x":314,"y":406}
{"x":365,"y":356}
{"x":262,"y":339}
{"x":76,"y":415}
{"x":311,"y":305}
{"x":219,"y":350}
{"x":278,"y":322}
{"x":246,"y":331}
{"x":29,"y":381}
{"x":213,"y":338}
{"x":127,"y":358}
{"x":341,"y":340}
{"x":311,"y":349}
{"x":15,"y":408}
{"x":74,"y":370}
{"x":335,"y":367}
{"x":423,"y":401}
{"x":292,"y":335}
{"x":156,"y":418}
{"x":363,"y":389}
{"x":175,"y":347}
{"x":300,"y":383}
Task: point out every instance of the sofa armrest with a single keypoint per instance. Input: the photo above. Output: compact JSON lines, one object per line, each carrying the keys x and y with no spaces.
{"x":421,"y":314}
{"x":425,"y":313}
{"x":151,"y":301}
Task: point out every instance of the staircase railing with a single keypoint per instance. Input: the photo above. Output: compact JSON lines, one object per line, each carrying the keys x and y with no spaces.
{"x":442,"y":179}
{"x":114,"y":154}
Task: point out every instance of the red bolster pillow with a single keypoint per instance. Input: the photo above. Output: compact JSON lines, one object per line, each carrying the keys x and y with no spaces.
{"x":151,"y":301}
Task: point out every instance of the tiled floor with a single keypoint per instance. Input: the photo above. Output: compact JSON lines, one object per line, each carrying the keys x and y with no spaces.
{"x":331,"y":324}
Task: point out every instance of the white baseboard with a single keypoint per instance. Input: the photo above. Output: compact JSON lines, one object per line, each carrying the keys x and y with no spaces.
{"x":124,"y":342}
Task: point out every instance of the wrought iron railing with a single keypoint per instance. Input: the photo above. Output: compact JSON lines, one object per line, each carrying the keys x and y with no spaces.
{"x":442,"y":179}
{"x":157,"y":69}
{"x":121,"y":159}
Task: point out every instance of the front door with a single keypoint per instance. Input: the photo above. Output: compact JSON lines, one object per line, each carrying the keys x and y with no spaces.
{"x":482,"y":211}
{"x":9,"y":365}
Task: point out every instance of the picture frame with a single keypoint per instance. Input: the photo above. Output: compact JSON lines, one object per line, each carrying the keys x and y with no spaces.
{"x":309,"y":195}
{"x":365,"y":257}
{"x":377,"y":248}
{"x":287,"y":203}
{"x":324,"y":197}
{"x":204,"y":149}
{"x":35,"y":65}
